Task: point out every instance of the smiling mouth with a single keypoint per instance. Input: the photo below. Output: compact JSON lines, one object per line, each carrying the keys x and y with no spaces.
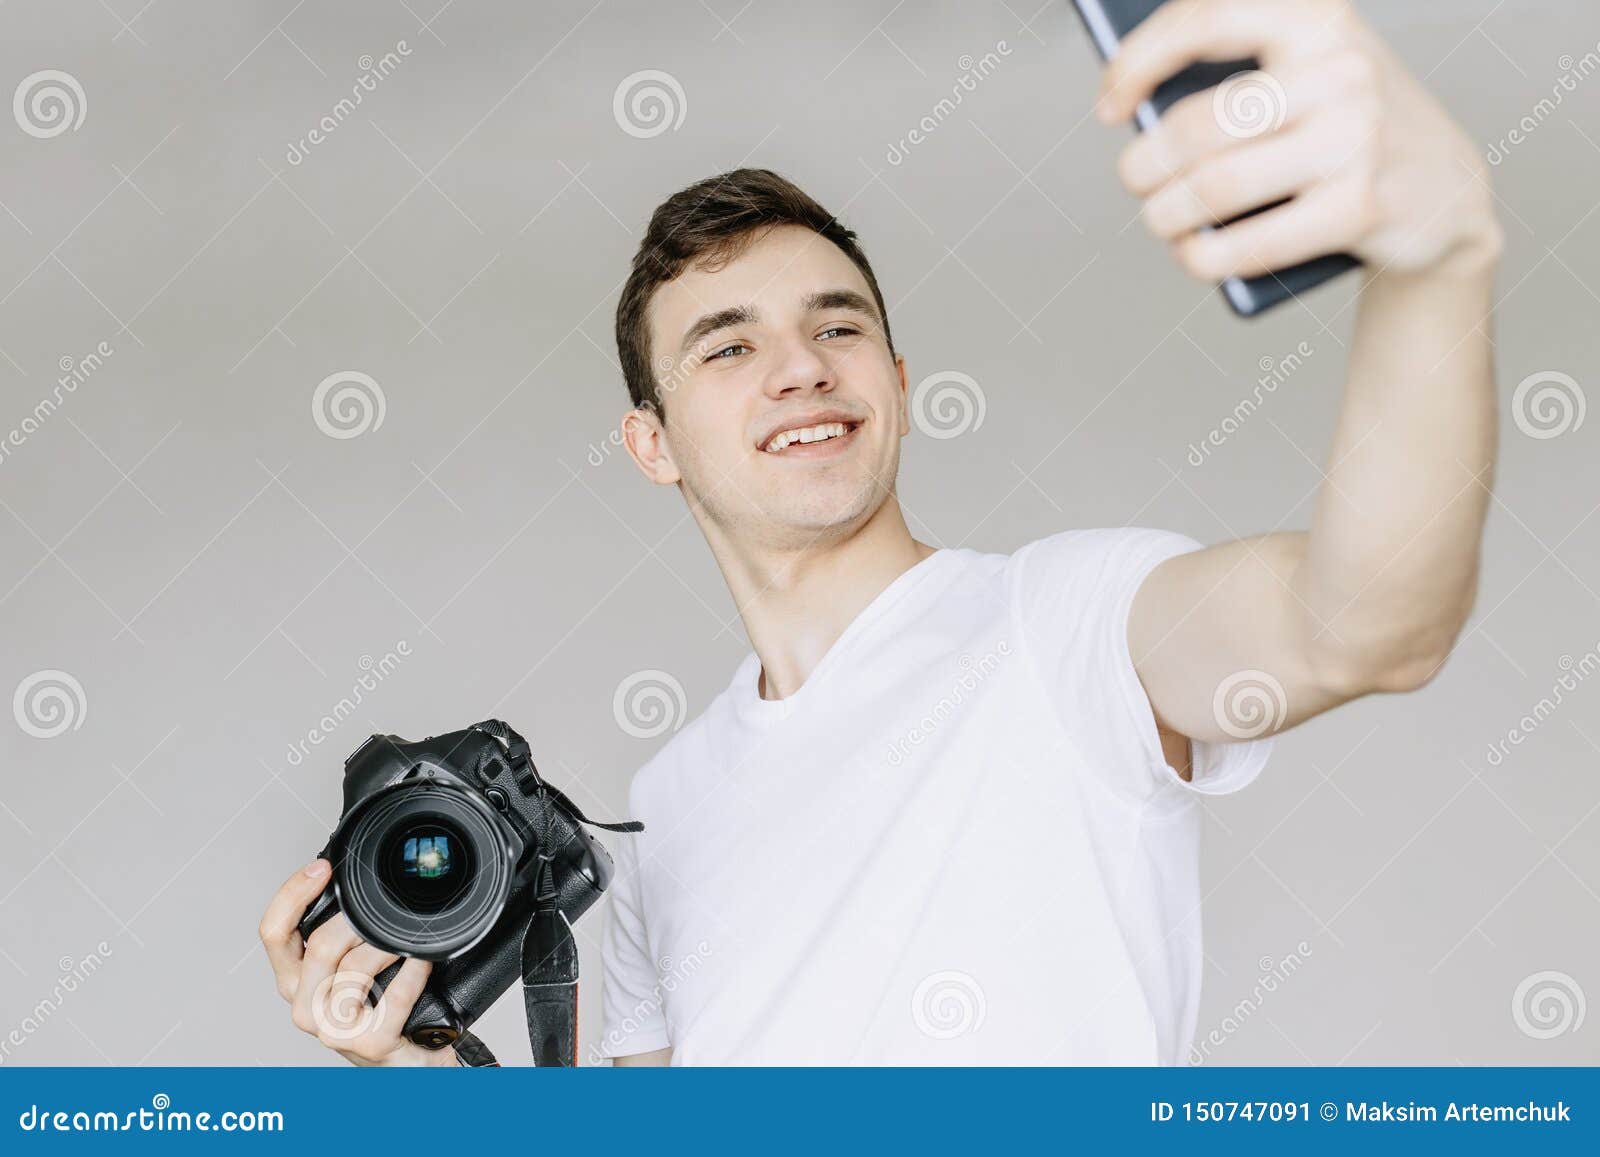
{"x":821,"y":440}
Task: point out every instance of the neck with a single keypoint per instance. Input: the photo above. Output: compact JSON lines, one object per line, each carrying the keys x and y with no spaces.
{"x":796,"y":602}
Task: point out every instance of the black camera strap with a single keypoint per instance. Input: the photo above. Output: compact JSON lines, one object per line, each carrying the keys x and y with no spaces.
{"x":550,"y":979}
{"x":549,"y":952}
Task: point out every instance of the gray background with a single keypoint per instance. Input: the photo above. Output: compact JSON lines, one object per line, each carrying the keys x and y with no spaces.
{"x":184,"y":540}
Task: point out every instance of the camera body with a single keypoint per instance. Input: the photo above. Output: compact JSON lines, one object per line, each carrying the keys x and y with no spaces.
{"x":437,"y":855}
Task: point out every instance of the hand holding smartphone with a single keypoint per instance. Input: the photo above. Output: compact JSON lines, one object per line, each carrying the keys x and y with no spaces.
{"x":1108,"y":21}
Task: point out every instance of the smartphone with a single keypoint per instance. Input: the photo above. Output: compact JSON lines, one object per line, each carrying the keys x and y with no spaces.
{"x":1108,"y":22}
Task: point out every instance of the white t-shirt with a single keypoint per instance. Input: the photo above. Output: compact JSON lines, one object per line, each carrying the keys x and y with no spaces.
{"x":957,"y":843}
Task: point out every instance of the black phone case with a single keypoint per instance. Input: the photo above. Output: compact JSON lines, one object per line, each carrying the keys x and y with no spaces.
{"x":1108,"y":22}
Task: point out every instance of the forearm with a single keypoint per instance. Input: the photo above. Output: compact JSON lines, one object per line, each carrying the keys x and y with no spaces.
{"x":1391,"y":562}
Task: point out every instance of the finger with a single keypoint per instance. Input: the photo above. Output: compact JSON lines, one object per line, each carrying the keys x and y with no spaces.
{"x":400,"y":997}
{"x":1327,"y":219}
{"x":367,"y":960}
{"x":1183,"y":32}
{"x":325,"y":948}
{"x":340,"y":1007}
{"x":1246,"y":107}
{"x":1236,"y":182}
{"x":279,"y":929}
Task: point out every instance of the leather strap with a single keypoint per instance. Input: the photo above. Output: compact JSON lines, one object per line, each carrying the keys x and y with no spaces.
{"x":550,"y":986}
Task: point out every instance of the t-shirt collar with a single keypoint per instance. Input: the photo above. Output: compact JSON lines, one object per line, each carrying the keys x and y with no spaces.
{"x":744,"y":691}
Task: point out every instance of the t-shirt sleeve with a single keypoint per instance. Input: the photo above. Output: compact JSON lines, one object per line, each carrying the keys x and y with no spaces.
{"x":1072,"y":594}
{"x":633,"y":1019}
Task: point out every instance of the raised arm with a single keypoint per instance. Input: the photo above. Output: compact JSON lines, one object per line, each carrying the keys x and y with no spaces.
{"x":1262,"y":633}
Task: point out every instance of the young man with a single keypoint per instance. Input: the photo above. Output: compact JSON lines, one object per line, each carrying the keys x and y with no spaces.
{"x":947,"y":809}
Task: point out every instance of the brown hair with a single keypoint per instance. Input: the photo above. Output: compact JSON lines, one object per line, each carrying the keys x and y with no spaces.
{"x":708,"y":224}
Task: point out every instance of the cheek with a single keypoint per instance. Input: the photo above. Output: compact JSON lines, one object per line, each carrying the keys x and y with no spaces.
{"x":709,"y":430}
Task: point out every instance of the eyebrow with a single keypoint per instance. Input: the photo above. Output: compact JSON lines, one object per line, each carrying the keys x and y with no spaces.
{"x":710,"y":323}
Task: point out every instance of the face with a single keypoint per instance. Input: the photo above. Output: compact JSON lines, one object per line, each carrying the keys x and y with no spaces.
{"x":784,"y":406}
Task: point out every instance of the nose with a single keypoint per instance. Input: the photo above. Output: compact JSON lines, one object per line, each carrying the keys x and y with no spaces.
{"x":801,"y":368}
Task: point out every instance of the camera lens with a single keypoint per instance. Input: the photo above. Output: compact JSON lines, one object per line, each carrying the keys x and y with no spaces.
{"x":424,"y":868}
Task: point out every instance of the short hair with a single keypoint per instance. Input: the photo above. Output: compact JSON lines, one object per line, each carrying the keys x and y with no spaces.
{"x":709,"y":224}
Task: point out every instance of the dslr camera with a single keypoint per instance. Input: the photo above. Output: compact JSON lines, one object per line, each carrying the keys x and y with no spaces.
{"x":446,"y":850}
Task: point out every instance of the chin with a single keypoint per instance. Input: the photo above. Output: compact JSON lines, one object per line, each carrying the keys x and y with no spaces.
{"x":840,"y":511}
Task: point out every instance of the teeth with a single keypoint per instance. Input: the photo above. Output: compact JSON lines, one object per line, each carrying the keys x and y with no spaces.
{"x":808,"y":434}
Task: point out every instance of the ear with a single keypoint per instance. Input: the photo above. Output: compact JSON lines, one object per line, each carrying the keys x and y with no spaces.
{"x":646,"y":441}
{"x":905,"y":413}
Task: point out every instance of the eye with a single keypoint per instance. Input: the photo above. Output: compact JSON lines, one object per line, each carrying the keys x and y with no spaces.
{"x":727,"y":349}
{"x":839,"y":329}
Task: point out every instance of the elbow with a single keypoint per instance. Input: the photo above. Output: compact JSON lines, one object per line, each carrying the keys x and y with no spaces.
{"x":1393,"y":656}
{"x":1392,"y":665}
{"x":1411,"y":674}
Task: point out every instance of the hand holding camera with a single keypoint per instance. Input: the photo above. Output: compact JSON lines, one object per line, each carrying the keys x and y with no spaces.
{"x":454,"y":868}
{"x":326,"y":979}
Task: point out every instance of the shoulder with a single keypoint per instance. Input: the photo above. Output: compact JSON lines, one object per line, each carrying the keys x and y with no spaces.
{"x":1093,"y":548}
{"x":667,"y":773}
{"x":1075,"y":576}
